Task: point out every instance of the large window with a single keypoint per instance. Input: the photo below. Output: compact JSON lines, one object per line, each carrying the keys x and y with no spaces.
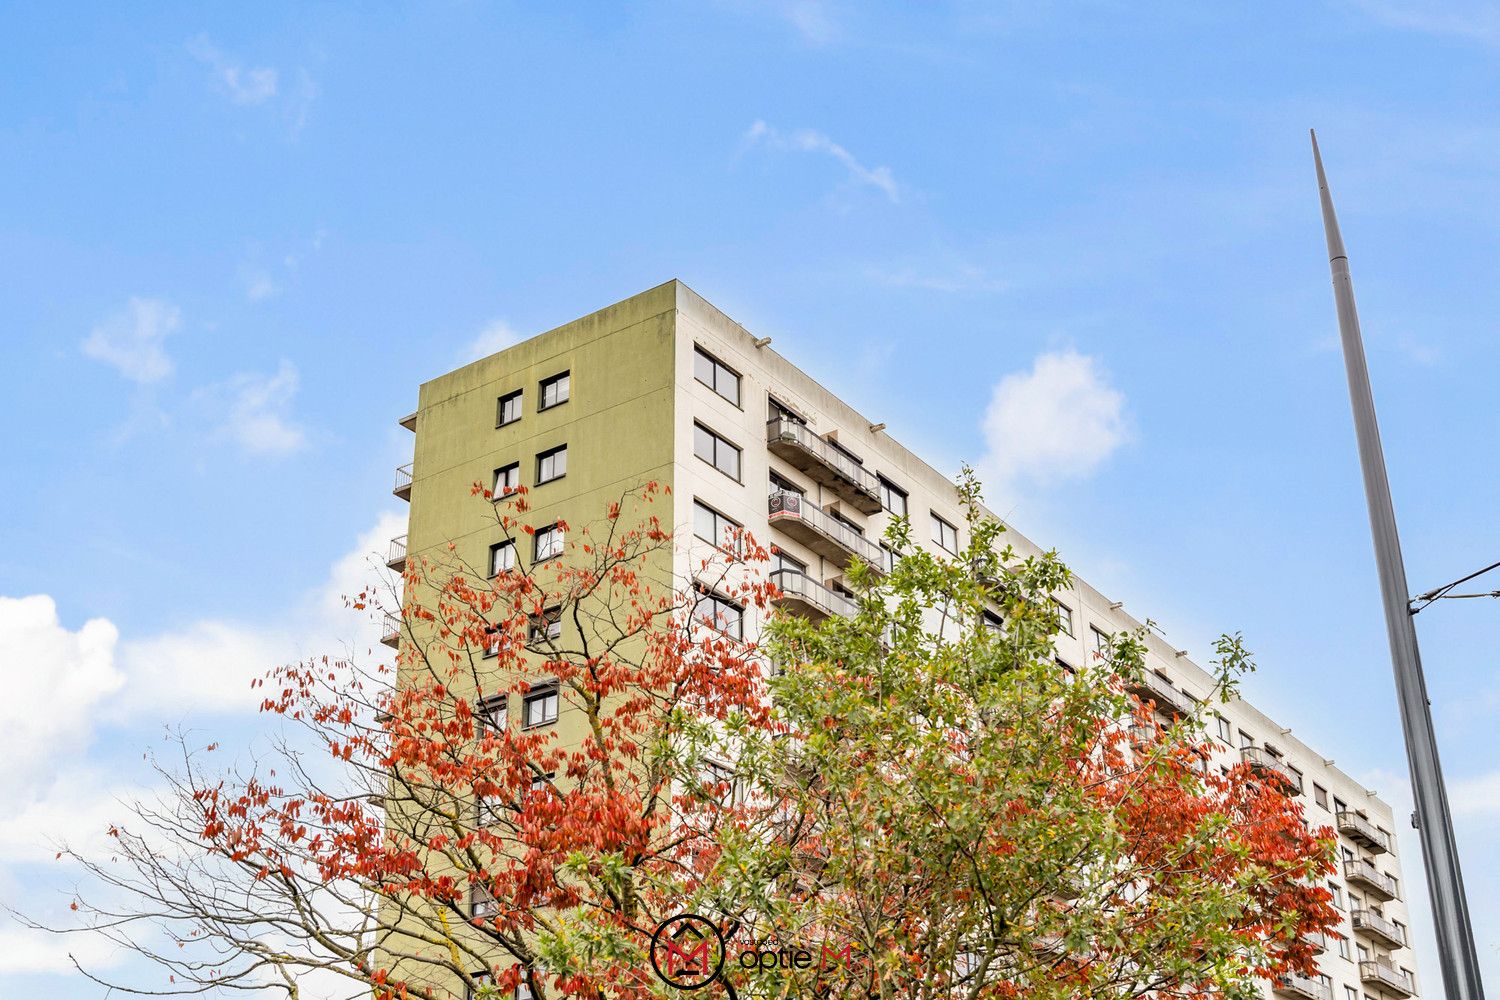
{"x":508,"y":409}
{"x":552,"y":464}
{"x":716,"y":451}
{"x":716,"y":375}
{"x":720,"y":613}
{"x":507,"y":479}
{"x":1064,"y":617}
{"x":944,"y":534}
{"x":552,"y":391}
{"x":892,"y":497}
{"x":549,"y":543}
{"x":713,"y":527}
{"x":540,"y":707}
{"x":502,"y":557}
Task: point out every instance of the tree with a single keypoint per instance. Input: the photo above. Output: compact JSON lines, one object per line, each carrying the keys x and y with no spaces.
{"x":917,"y":783}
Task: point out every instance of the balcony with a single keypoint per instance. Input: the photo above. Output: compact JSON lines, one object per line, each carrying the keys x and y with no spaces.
{"x":402,"y":488}
{"x":802,"y":594}
{"x":1377,"y":883}
{"x":1303,"y":987}
{"x":1373,"y":925}
{"x":823,"y":462}
{"x":396,"y":558}
{"x":1151,"y":686}
{"x":1263,"y":762}
{"x":390,"y":631}
{"x":409,"y":422}
{"x":820,"y":531}
{"x":1387,"y":976}
{"x":1362,"y":832}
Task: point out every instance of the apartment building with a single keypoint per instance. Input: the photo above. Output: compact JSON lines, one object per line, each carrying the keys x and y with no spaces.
{"x":663,"y":386}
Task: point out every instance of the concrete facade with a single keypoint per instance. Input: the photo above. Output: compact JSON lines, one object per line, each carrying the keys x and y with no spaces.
{"x":636,"y":412}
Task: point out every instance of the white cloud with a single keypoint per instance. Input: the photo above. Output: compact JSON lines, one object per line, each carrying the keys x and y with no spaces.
{"x":55,"y":682}
{"x":810,"y":141}
{"x":131,"y":340}
{"x":1059,"y":421}
{"x":497,"y":336}
{"x":257,"y":411}
{"x":250,"y":85}
{"x":813,"y":20}
{"x":1476,"y":796}
{"x":1478,"y":20}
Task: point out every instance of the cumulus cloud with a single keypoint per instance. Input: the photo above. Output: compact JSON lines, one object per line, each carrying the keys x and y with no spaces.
{"x":811,"y":141}
{"x":132,"y":340}
{"x":1061,"y":420}
{"x":249,"y":85}
{"x":497,"y":336}
{"x":258,"y":411}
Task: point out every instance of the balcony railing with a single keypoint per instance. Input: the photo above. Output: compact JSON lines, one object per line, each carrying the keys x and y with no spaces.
{"x":801,"y":592}
{"x":1377,"y":883}
{"x":1151,"y":686}
{"x":821,"y":531}
{"x":1362,"y":831}
{"x":390,"y":630}
{"x":1388,"y":976}
{"x":825,"y":463}
{"x":1263,"y":761}
{"x":402,"y":488}
{"x":1304,"y":987}
{"x":1372,"y":924}
{"x":396,"y":558}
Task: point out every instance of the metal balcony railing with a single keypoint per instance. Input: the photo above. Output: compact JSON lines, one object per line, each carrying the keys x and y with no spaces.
{"x":1362,"y":831}
{"x":821,"y":531}
{"x":396,"y":558}
{"x":1151,"y":686}
{"x":825,"y":463}
{"x":802,"y":592}
{"x":1372,"y":924}
{"x":1388,"y":976}
{"x":390,"y":630}
{"x":1376,"y":882}
{"x":1304,"y":987}
{"x":402,"y":488}
{"x":1263,"y":761}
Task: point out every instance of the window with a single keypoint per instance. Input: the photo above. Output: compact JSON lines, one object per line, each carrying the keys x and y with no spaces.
{"x":507,"y":479}
{"x":716,"y":451}
{"x":1297,"y":783}
{"x":546,"y":627}
{"x":780,"y":411}
{"x":720,"y":784}
{"x":482,"y":901}
{"x":493,"y":715}
{"x":492,"y":641}
{"x":1391,"y":841}
{"x":781,"y":484}
{"x":552,"y":392}
{"x":1338,"y":894}
{"x":841,"y":519}
{"x":1350,"y":993}
{"x":1320,"y":795}
{"x":892,"y":497}
{"x":549,"y":542}
{"x":990,"y":620}
{"x":540,"y":707}
{"x":1343,"y":947}
{"x":1064,"y":617}
{"x":716,"y":375}
{"x":508,"y":410}
{"x":1102,"y":642}
{"x":502,"y":557}
{"x":1246,"y":740}
{"x":1338,"y":805}
{"x":844,"y":451}
{"x":781,"y":561}
{"x":1225,"y":733}
{"x":713,"y":527}
{"x":552,"y":464}
{"x":887,"y":558}
{"x":719,"y":613}
{"x":540,"y":782}
{"x":944,"y":534}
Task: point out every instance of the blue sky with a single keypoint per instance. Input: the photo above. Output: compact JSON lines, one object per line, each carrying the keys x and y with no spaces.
{"x":234,"y":242}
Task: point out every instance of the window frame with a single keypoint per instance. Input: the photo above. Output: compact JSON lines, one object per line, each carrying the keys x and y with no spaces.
{"x":496,"y":706}
{"x":887,"y":488}
{"x":723,"y":543}
{"x":718,"y":601}
{"x":519,"y":395}
{"x":1064,"y":618}
{"x":508,"y":544}
{"x":555,"y":528}
{"x":564,"y":377}
{"x":541,"y":694}
{"x":715,"y":368}
{"x":552,"y":454}
{"x":718,"y":440}
{"x":939,"y":522}
{"x":496,"y":491}
{"x":545,"y":628}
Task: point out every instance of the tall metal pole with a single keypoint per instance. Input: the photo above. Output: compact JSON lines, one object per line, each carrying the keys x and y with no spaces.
{"x":1445,"y":883}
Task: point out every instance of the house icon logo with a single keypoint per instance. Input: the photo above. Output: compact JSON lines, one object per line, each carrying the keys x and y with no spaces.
{"x":687,"y":951}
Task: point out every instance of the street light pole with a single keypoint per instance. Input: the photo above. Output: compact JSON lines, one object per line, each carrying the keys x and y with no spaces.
{"x":1445,"y":883}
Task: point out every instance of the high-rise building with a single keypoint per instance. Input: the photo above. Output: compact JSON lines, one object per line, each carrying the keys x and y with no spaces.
{"x":664,"y":387}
